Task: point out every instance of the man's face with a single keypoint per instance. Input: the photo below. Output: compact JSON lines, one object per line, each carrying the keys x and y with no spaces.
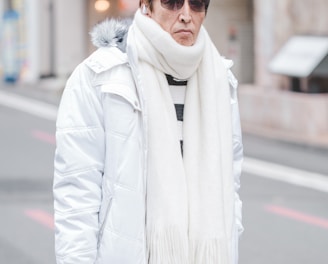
{"x":183,"y":24}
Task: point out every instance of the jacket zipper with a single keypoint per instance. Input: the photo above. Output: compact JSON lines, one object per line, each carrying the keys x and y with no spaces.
{"x":103,"y":225}
{"x":136,"y":75}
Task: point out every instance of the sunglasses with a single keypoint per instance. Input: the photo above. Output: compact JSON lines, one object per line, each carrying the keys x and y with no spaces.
{"x":195,"y":5}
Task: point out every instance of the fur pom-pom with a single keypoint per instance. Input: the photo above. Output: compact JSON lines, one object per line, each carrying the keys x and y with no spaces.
{"x":111,"y":33}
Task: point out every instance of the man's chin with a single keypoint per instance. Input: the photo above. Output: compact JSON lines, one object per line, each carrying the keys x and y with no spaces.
{"x":185,"y":41}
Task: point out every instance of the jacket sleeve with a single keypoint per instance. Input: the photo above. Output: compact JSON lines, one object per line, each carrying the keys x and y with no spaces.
{"x":78,"y":170}
{"x":237,"y":161}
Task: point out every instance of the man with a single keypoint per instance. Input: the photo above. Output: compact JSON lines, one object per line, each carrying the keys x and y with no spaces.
{"x":149,"y":146}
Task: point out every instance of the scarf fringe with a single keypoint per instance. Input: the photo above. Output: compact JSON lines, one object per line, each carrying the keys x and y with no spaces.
{"x":211,"y":251}
{"x":167,"y":246}
{"x":171,"y":246}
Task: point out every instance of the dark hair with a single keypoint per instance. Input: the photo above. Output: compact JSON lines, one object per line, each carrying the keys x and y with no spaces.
{"x":150,"y":4}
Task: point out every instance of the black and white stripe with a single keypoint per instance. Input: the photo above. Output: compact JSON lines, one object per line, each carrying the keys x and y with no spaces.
{"x":178,"y":92}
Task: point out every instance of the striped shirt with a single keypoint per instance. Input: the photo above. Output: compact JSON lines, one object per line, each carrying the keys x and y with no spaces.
{"x":178,"y":92}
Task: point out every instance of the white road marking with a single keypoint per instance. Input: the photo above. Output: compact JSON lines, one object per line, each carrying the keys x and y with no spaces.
{"x":287,"y":174}
{"x":28,"y":105}
{"x":253,"y":166}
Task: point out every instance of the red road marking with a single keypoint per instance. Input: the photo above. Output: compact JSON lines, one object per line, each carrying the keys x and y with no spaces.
{"x":44,"y":136}
{"x":41,"y":217}
{"x":298,"y":216}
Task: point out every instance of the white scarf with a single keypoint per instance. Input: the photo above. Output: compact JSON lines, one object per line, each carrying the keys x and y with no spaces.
{"x":190,"y":200}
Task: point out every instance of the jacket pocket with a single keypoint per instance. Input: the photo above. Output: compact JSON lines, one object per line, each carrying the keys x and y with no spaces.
{"x":121,"y":108}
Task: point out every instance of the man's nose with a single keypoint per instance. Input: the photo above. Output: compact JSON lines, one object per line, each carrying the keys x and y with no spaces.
{"x":185,"y":13}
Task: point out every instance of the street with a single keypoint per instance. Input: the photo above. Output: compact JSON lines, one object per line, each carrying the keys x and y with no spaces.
{"x":26,"y":155}
{"x":284,"y":193}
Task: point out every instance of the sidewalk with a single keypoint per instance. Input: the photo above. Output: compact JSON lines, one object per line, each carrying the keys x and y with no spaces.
{"x":48,"y":90}
{"x":288,"y":116}
{"x":295,"y":155}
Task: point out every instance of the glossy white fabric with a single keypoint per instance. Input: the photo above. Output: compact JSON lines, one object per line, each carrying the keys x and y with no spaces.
{"x":99,"y":181}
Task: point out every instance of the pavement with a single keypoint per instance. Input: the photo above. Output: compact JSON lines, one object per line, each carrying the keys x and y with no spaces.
{"x":288,"y":116}
{"x":47,"y":90}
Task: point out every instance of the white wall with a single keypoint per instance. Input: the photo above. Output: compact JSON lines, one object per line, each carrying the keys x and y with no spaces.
{"x":1,"y":13}
{"x":70,"y":35}
{"x":44,"y":38}
{"x":224,"y":16}
{"x":32,"y":40}
{"x":264,"y":40}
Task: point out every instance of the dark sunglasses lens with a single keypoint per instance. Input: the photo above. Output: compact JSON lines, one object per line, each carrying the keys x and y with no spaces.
{"x":172,"y":4}
{"x":197,"y":5}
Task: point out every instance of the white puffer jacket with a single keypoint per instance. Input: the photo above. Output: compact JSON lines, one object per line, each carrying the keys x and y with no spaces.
{"x":100,"y":158}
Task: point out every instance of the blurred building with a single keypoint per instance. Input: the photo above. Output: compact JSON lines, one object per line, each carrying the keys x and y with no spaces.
{"x":231,"y":26}
{"x":54,"y":34}
{"x":270,"y":106}
{"x":54,"y":37}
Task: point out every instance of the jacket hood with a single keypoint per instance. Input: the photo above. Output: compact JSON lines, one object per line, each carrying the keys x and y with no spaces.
{"x":111,"y":33}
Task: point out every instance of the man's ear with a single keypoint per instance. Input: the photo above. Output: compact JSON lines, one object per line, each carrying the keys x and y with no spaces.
{"x":144,"y":9}
{"x":144,"y":6}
